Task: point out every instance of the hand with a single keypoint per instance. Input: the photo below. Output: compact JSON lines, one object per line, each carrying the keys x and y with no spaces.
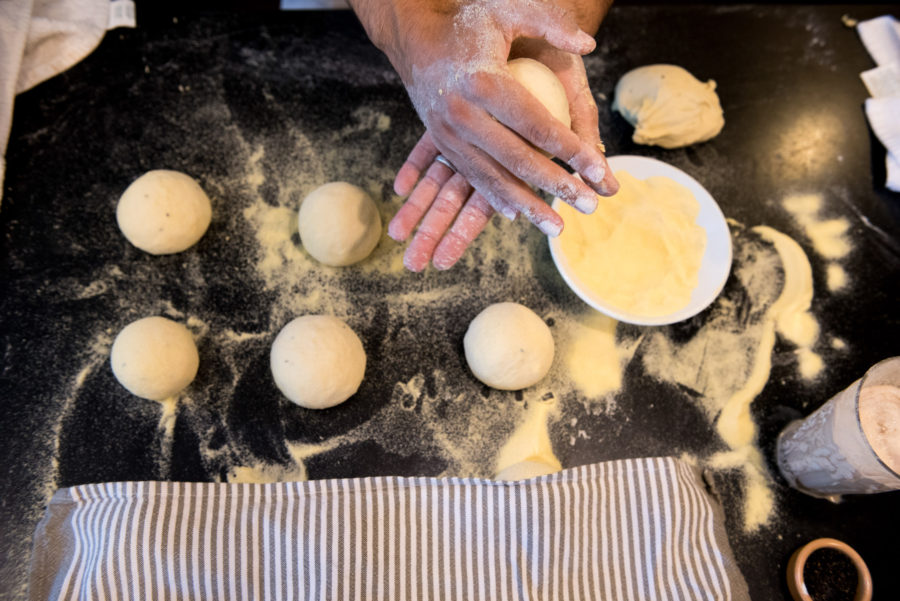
{"x":452,"y":58}
{"x":443,"y":198}
{"x":438,"y":195}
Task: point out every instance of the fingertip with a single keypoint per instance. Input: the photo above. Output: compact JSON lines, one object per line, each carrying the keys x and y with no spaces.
{"x":586,"y":41}
{"x":396,"y":231}
{"x":612,"y":184}
{"x":448,"y":251}
{"x":551,"y":227}
{"x":400,"y":190}
{"x":586,"y":203}
{"x":414,"y":261}
{"x":406,"y":179}
{"x":443,"y":263}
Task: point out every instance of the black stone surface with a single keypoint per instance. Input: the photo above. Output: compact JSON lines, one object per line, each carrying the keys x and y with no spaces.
{"x":153,"y":97}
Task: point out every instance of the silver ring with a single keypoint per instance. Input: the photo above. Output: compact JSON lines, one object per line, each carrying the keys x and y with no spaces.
{"x":443,"y":161}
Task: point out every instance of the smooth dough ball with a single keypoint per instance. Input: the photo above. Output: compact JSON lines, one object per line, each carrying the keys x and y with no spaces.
{"x":668,"y":106}
{"x":317,"y":361}
{"x":509,"y":347}
{"x":164,"y":212}
{"x":339,"y":224}
{"x":154,"y":358}
{"x":543,"y":84}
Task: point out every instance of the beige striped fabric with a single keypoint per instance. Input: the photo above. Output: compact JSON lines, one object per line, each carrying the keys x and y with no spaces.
{"x":630,"y":529}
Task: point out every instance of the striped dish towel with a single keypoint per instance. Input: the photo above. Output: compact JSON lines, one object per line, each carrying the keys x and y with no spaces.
{"x":627,"y":529}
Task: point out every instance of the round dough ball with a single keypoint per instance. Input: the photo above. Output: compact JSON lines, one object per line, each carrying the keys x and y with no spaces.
{"x":509,"y":347}
{"x":339,"y":224}
{"x":164,"y":212}
{"x":154,"y":358}
{"x":543,"y":85}
{"x":668,"y":106}
{"x":317,"y":361}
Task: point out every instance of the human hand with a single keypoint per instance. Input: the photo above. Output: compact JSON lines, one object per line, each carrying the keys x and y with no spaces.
{"x":452,"y":214}
{"x":453,"y":62}
{"x":439,"y":195}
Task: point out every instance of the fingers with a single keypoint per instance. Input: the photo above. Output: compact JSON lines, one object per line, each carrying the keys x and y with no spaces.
{"x":436,"y":222}
{"x":470,"y":222}
{"x":421,"y":199}
{"x":524,"y":162}
{"x":515,"y":107}
{"x":419,"y":159}
{"x":583,"y":110}
{"x":502,"y":190}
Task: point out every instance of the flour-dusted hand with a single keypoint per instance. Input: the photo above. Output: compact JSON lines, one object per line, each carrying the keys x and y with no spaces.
{"x":582,"y":112}
{"x":452,"y":57}
{"x":451,"y":213}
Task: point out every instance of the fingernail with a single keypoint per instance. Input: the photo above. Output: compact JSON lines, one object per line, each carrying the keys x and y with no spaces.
{"x":550,"y":228}
{"x":442,"y":264}
{"x":586,"y":203}
{"x":586,"y":39}
{"x":509,"y":212}
{"x":595,"y":172}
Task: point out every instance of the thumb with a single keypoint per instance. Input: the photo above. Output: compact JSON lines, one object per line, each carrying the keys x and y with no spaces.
{"x":554,"y":24}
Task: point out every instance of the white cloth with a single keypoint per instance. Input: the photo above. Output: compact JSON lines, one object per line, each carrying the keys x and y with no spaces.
{"x":881,"y":37}
{"x":41,"y":38}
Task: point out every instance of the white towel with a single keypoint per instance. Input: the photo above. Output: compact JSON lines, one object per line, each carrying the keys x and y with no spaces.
{"x":630,"y":530}
{"x":881,"y":37}
{"x":41,"y":38}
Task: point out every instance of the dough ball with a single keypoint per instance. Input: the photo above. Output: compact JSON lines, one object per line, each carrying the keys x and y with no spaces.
{"x":543,"y":85}
{"x":317,"y":361}
{"x":164,"y":212}
{"x":668,"y":106}
{"x":508,"y":347}
{"x":526,"y":469}
{"x":154,"y":358}
{"x":339,"y":224}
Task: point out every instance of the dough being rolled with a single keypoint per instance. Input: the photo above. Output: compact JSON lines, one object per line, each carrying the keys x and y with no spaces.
{"x":668,"y":106}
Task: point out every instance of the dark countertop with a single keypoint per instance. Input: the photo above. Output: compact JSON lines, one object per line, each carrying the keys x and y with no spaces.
{"x":261,"y":107}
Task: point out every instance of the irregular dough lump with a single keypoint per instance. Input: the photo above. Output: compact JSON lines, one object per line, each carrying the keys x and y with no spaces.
{"x":508,"y":347}
{"x":339,"y":224}
{"x":543,"y":84}
{"x":668,"y":106}
{"x":154,"y":358}
{"x":317,"y":361}
{"x":164,"y":212}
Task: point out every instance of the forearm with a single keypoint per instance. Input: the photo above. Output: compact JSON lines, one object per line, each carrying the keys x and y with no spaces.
{"x":389,"y":23}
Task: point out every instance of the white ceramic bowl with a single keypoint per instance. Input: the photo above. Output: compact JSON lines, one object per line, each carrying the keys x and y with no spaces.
{"x":716,"y":262}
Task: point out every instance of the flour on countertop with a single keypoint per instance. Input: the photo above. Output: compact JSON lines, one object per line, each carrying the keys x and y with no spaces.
{"x":829,"y":237}
{"x":419,"y":411}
